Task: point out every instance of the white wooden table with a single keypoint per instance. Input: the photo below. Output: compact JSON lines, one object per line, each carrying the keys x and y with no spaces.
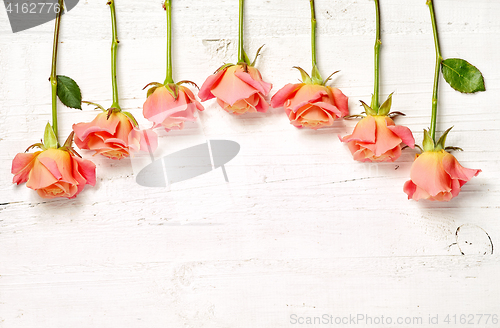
{"x":300,"y":230}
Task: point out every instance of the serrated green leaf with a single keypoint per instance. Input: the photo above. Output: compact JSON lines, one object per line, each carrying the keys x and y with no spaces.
{"x":442,"y":140}
{"x":462,"y":76}
{"x":428,"y":143}
{"x":69,"y":92}
{"x":386,"y":106}
{"x":49,"y":137}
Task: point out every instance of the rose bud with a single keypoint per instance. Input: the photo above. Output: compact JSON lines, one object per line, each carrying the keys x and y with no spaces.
{"x":53,"y":172}
{"x":311,"y":105}
{"x":170,"y":108}
{"x":376,"y":138}
{"x":436,"y":174}
{"x":113,"y":134}
{"x":238,"y":88}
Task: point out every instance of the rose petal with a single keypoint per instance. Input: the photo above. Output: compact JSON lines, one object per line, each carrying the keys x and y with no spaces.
{"x":442,"y":197}
{"x":40,"y":177}
{"x":51,"y":165}
{"x":410,"y":188}
{"x":81,"y":181}
{"x":255,"y":74}
{"x":359,"y":153}
{"x":58,"y":189}
{"x":62,"y":159}
{"x":205,"y":92}
{"x":307,"y":94}
{"x":385,"y":138}
{"x":341,"y":101}
{"x":22,"y":166}
{"x":100,"y":123}
{"x":314,"y":117}
{"x":262,"y":104}
{"x":330,"y":108}
{"x":192,"y":97}
{"x":163,"y":110}
{"x":427,"y":172}
{"x":284,"y":93}
{"x":457,"y":171}
{"x":364,"y":131}
{"x":455,"y":187}
{"x":261,"y":86}
{"x":231,"y":89}
{"x":421,"y":194}
{"x":160,"y":104}
{"x":86,"y":168}
{"x":403,"y":133}
{"x":148,"y":140}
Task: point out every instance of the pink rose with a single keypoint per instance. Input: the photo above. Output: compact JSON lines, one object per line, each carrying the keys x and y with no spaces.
{"x":437,"y":175}
{"x":311,"y":105}
{"x":238,"y":88}
{"x":377,"y":139}
{"x":114,"y":136}
{"x":53,"y":172}
{"x":164,"y":110}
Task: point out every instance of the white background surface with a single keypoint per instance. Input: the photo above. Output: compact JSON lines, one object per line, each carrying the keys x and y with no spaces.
{"x":300,"y":228}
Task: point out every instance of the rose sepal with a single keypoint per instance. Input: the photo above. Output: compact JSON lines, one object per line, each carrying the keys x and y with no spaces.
{"x":155,"y":85}
{"x":368,"y":109}
{"x":223,"y":67}
{"x":94,"y":104}
{"x":173,"y":88}
{"x":386,"y":106}
{"x":429,"y":144}
{"x":305,"y":77}
{"x":131,"y":117}
{"x":68,"y":145}
{"x":49,"y":137}
{"x":316,"y":76}
{"x":36,"y":145}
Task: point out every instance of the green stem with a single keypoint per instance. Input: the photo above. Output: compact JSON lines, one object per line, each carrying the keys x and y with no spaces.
{"x":168,"y":8}
{"x":378,"y":42}
{"x":53,"y":72}
{"x":439,"y":60}
{"x":114,"y":47}
{"x":313,"y":33}
{"x":241,"y":52}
